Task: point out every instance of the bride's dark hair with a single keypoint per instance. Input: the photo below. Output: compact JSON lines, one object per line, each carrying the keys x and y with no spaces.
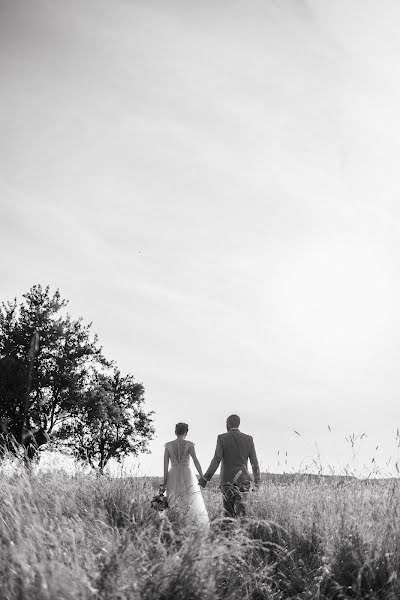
{"x":181,"y":428}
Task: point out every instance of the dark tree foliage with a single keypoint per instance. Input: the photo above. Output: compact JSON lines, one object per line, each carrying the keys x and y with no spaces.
{"x":45,"y":389}
{"x":109,"y":422}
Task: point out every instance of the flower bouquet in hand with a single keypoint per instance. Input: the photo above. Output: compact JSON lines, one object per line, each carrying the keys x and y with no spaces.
{"x":159,"y":501}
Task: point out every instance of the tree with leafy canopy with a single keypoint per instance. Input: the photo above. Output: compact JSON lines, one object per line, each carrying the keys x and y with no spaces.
{"x":43,"y":389}
{"x":109,"y":422}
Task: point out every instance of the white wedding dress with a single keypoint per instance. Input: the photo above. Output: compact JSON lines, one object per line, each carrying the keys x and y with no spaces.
{"x":183,"y":491}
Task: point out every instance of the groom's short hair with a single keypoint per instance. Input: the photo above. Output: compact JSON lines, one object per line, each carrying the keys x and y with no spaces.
{"x":233,"y":421}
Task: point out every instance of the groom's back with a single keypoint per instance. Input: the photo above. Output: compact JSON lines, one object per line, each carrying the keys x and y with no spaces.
{"x":237,"y":449}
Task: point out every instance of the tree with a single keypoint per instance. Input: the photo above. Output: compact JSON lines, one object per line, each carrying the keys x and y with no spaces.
{"x":45,"y":385}
{"x":109,"y":422}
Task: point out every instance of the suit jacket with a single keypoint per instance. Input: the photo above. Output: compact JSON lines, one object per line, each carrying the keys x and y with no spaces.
{"x":233,"y":451}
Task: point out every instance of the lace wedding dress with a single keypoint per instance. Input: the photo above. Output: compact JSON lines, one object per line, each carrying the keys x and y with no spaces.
{"x":183,"y":491}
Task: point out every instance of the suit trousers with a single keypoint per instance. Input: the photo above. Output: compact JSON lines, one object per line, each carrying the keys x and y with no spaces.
{"x":234,"y":499}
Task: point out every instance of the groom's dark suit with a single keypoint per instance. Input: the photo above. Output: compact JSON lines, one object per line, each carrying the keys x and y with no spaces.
{"x":234,"y":450}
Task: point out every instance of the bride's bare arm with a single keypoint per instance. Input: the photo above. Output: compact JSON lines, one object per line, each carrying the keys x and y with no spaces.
{"x":192,"y":453}
{"x":166,"y":462}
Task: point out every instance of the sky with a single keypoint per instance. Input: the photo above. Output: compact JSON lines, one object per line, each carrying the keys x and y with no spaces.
{"x":215,"y":187}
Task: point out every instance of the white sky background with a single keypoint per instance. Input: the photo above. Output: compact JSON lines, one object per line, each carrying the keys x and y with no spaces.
{"x":215,"y":185}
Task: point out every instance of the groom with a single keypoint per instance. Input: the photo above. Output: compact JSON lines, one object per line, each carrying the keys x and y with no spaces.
{"x":233,"y":451}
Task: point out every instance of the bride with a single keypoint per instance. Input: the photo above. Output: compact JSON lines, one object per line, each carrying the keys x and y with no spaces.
{"x":183,"y":491}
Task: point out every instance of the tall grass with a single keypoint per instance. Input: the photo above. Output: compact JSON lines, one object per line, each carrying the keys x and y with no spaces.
{"x":66,"y":536}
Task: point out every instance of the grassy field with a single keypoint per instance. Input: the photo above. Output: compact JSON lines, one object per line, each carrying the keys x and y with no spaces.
{"x":66,"y":536}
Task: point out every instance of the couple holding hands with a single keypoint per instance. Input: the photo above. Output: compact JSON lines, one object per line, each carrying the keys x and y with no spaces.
{"x":234,"y":450}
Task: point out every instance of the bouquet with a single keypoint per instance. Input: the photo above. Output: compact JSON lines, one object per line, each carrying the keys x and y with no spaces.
{"x":159,"y":501}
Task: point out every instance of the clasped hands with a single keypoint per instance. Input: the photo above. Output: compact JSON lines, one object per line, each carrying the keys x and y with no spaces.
{"x":203,"y":482}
